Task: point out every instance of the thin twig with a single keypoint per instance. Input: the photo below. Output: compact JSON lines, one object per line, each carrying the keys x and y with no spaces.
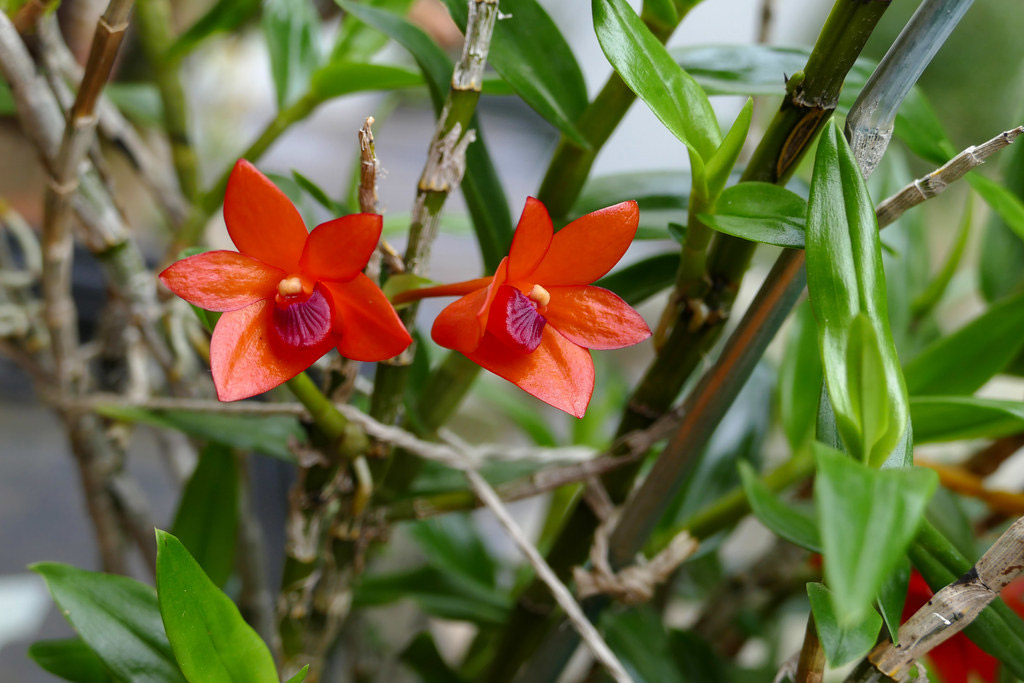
{"x":949,"y":611}
{"x":562,"y":596}
{"x":960,"y":480}
{"x":937,"y":181}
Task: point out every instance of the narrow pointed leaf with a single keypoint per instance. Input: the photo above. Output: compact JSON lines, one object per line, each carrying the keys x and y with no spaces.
{"x":640,"y":281}
{"x":291,"y":28}
{"x":760,"y":212}
{"x":892,"y":596}
{"x":301,"y":676}
{"x":1005,"y":203}
{"x":861,"y":507}
{"x":211,"y":641}
{"x":720,"y":165}
{"x":117,"y":618}
{"x":799,"y":385}
{"x":954,"y":418}
{"x":846,"y":286}
{"x":650,"y":71}
{"x":842,"y":643}
{"x":785,"y":521}
{"x":531,"y":55}
{"x":207,"y":518}
{"x":343,"y":78}
{"x":70,"y":659}
{"x":924,"y":302}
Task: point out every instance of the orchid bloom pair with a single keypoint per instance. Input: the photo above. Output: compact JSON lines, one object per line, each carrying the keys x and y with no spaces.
{"x":289,"y":297}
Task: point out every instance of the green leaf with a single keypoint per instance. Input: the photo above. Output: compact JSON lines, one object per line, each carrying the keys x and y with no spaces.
{"x":955,"y":418}
{"x":531,"y":55}
{"x":760,"y":212}
{"x":206,"y":522}
{"x":785,"y":521}
{"x":842,"y":643}
{"x":117,"y":618}
{"x":1006,"y":204}
{"x":638,"y":637}
{"x":70,"y":659}
{"x":291,"y":28}
{"x":437,"y":593}
{"x":724,"y":159}
{"x":359,"y":41}
{"x":1001,"y":266}
{"x":846,"y":285}
{"x":800,"y":379}
{"x":860,"y":507}
{"x":342,"y":78}
{"x":422,"y":657}
{"x":210,"y":639}
{"x":271,"y":435}
{"x":334,"y":207}
{"x":301,"y":676}
{"x":918,"y":127}
{"x":650,"y":71}
{"x":931,"y":295}
{"x":651,"y":190}
{"x":481,"y":187}
{"x":640,"y":281}
{"x":403,"y":282}
{"x":224,"y":15}
{"x":892,"y":596}
{"x":741,"y":69}
{"x":961,"y":362}
{"x":451,"y":543}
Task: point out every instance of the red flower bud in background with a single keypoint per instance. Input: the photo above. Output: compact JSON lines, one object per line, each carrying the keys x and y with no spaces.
{"x":534,"y":321}
{"x":290,"y":296}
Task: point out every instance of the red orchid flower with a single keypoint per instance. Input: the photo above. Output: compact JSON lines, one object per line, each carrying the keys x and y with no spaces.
{"x":290,"y":296}
{"x":533,"y":322}
{"x":956,"y":659}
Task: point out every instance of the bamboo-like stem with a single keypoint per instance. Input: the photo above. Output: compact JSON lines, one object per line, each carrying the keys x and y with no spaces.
{"x":30,"y":13}
{"x":154,"y":23}
{"x":442,"y":173}
{"x":58,"y":243}
{"x":949,"y":611}
{"x":810,"y":667}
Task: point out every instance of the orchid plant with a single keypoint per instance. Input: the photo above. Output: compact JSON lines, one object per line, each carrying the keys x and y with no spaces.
{"x":794,"y":357}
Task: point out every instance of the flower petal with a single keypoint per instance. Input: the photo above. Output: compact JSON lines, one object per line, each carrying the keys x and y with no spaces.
{"x":338,"y":249}
{"x":221,"y":280}
{"x":248,"y":358}
{"x":559,"y":372}
{"x":262,"y":221}
{"x":457,"y":326}
{"x":500,"y":278}
{"x":368,"y":327}
{"x":594,"y":318}
{"x":589,"y":247}
{"x":531,"y":240}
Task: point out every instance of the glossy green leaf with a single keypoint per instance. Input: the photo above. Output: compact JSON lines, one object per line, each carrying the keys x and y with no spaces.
{"x":421,"y":655}
{"x":650,"y":71}
{"x":1001,"y":262}
{"x":954,"y":418}
{"x":846,"y":287}
{"x":117,"y":618}
{"x":291,"y":29}
{"x":452,"y":543}
{"x":724,"y":159}
{"x":437,"y":592}
{"x":760,"y":212}
{"x":640,"y":281}
{"x":842,"y":642}
{"x":741,"y":69}
{"x":784,"y":520}
{"x":639,"y":639}
{"x":207,"y":518}
{"x":343,"y":78}
{"x":224,"y":15}
{"x":531,"y":55}
{"x":210,"y":639}
{"x":1006,"y":204}
{"x":861,"y":507}
{"x":301,"y":676}
{"x":800,"y":379}
{"x":70,"y":659}
{"x":481,"y":187}
{"x":931,"y":295}
{"x":893,"y":594}
{"x":271,"y":435}
{"x":961,"y":362}
{"x":664,"y":11}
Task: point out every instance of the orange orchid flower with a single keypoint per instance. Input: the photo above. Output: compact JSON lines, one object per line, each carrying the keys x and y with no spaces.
{"x":290,"y":296}
{"x":535,"y":320}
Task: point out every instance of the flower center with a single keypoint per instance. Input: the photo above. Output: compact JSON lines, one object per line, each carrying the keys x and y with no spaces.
{"x":540,"y":295}
{"x":300,"y":321}
{"x":514,"y":319}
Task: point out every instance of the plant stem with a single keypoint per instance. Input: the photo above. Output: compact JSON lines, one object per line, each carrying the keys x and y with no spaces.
{"x":153,"y":19}
{"x":810,"y":668}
